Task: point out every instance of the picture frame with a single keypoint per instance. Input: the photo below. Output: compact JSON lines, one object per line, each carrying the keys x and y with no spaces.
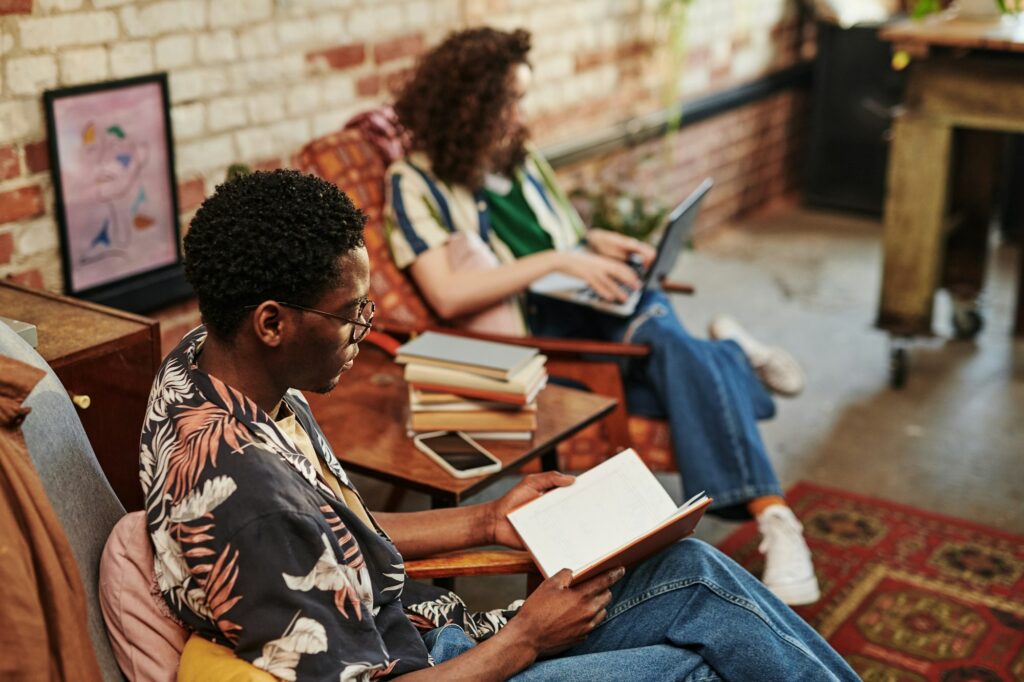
{"x":116,"y":203}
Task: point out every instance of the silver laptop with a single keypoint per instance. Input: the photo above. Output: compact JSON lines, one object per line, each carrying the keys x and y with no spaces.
{"x":677,"y":232}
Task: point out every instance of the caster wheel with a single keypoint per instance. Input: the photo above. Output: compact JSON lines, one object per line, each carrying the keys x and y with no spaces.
{"x":898,"y":361}
{"x":967,"y":322}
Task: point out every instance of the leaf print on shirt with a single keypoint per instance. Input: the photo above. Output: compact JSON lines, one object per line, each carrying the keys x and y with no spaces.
{"x":357,"y":672}
{"x":350,"y":585}
{"x":200,"y":430}
{"x":199,"y":503}
{"x":153,"y":462}
{"x":171,"y":387}
{"x":238,"y":404}
{"x":281,"y":656}
{"x":218,"y":585}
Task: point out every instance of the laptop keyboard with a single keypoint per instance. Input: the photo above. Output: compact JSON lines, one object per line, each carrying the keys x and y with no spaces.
{"x":588,"y":294}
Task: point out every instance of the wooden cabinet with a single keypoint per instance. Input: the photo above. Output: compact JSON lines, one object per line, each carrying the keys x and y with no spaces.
{"x":107,"y":360}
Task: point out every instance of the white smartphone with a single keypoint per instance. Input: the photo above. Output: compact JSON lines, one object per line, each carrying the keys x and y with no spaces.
{"x":457,"y":453}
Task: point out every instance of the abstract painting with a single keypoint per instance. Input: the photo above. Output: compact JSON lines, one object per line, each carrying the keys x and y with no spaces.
{"x":113,"y":173}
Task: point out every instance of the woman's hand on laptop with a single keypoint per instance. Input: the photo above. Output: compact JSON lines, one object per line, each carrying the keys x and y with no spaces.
{"x":619,"y":246}
{"x":611,"y":279}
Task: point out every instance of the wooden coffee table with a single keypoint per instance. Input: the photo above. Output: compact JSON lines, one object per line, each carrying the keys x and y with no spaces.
{"x":364,"y":420}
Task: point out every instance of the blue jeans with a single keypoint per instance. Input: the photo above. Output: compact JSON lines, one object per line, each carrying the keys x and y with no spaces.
{"x":689,"y":614}
{"x":706,"y":389}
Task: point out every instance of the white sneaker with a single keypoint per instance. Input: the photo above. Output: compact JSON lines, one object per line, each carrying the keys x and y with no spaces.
{"x":777,"y":369}
{"x":788,"y":571}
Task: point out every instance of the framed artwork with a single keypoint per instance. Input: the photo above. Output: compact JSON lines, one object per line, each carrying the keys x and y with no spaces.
{"x":112,"y":162}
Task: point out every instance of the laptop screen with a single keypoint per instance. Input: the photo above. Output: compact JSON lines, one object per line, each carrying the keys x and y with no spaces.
{"x":678,"y":228}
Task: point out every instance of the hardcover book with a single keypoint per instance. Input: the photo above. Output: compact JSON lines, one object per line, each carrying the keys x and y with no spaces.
{"x":487,"y":358}
{"x":616,"y":514}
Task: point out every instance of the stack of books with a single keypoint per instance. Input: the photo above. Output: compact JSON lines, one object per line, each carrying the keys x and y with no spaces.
{"x":487,"y":390}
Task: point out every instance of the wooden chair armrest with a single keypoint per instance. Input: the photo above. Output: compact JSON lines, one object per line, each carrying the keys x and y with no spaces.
{"x":572,"y":347}
{"x":471,"y":562}
{"x":547,"y":345}
{"x":672,"y":287}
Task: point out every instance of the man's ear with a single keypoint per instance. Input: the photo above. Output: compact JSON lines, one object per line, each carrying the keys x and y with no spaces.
{"x":269,"y":323}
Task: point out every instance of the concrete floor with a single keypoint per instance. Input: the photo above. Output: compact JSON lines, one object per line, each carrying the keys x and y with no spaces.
{"x":952,"y":441}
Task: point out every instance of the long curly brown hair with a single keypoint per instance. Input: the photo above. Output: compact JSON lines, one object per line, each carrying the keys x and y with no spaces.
{"x":454,"y":103}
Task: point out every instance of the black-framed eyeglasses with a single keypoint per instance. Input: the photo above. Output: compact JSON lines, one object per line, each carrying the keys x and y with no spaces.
{"x":362,"y":324}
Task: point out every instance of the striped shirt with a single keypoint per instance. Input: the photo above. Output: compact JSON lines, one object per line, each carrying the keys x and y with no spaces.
{"x":423,"y":212}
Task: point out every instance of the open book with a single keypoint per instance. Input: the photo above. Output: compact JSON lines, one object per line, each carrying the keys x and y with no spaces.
{"x":615,"y":514}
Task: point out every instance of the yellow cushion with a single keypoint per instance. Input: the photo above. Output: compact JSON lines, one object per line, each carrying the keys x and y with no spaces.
{"x":204,"y":661}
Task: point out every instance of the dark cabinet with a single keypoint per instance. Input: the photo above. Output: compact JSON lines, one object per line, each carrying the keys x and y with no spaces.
{"x":107,"y":360}
{"x":856,"y":92}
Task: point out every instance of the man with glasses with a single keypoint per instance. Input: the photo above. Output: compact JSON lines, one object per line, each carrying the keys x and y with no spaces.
{"x":264,"y":549}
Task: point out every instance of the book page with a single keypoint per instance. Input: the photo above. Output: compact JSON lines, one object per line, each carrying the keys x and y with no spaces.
{"x":607,"y":507}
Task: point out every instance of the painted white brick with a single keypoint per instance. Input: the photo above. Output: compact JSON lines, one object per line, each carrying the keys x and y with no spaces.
{"x":316,"y":7}
{"x":227,"y":112}
{"x":696,"y":81}
{"x":260,"y":41}
{"x":264,"y":73}
{"x":168,"y":16}
{"x":35,"y":237}
{"x":330,"y":121}
{"x":188,"y":120}
{"x":290,"y":135}
{"x":215,"y":81}
{"x":174,"y":51}
{"x":30,"y":75}
{"x":217,"y":47}
{"x":266,"y":107}
{"x":417,"y":14}
{"x":239,"y":12}
{"x":748,"y":63}
{"x":303,"y":98}
{"x":81,"y":28}
{"x":47,"y":6}
{"x":363,"y":22}
{"x":340,"y":89}
{"x":131,"y":58}
{"x":186,"y":86}
{"x":296,"y":32}
{"x":83,"y":66}
{"x":195,"y":157}
{"x":255,"y":144}
{"x":555,"y":66}
{"x":331,"y":29}
{"x":20,"y":119}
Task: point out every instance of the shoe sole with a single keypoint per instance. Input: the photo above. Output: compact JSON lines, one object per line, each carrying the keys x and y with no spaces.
{"x":797,"y":594}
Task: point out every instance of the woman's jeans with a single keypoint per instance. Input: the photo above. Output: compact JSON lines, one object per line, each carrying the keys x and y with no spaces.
{"x":706,"y":389}
{"x":688,"y":613}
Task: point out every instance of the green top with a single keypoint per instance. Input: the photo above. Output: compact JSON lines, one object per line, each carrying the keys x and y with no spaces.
{"x":515,"y":222}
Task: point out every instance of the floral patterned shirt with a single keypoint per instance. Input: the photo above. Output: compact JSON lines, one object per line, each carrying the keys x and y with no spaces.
{"x":255,"y":552}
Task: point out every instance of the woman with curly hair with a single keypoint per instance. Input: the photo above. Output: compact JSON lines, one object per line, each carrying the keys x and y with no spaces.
{"x":472,"y":177}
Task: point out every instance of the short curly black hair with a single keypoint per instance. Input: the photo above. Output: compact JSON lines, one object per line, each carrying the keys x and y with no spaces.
{"x":273,"y":235}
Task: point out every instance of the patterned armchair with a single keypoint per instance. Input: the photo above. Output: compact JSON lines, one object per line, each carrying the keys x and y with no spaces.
{"x":355,"y":159}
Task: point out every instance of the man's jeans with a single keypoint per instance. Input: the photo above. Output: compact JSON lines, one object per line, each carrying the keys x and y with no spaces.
{"x":706,"y":389}
{"x":689,"y":613}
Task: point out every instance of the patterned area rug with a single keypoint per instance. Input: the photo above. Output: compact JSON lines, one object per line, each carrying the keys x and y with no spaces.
{"x":907,"y":594}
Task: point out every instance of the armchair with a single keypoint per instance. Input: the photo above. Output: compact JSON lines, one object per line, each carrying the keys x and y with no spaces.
{"x":88,"y":510}
{"x":356,"y":159}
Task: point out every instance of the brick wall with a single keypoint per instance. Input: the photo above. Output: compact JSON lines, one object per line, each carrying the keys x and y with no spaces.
{"x":253,"y":80}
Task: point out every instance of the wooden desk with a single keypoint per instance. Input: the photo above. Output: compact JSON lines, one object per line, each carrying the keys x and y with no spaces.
{"x":106,"y":355}
{"x":967,"y":77}
{"x":364,"y":420}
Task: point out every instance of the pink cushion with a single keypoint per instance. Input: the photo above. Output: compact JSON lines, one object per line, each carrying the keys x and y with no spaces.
{"x":147,"y":640}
